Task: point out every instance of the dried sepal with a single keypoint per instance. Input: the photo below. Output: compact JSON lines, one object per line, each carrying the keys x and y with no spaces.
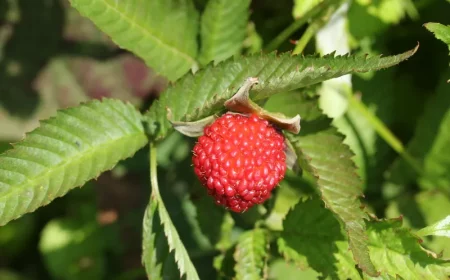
{"x":242,"y":103}
{"x":191,"y":129}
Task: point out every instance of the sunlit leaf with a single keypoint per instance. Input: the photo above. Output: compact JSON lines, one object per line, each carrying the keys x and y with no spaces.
{"x":66,"y":151}
{"x":162,"y":32}
{"x":205,"y":92}
{"x":395,"y":251}
{"x":223,"y":29}
{"x":251,"y":255}
{"x":441,"y":228}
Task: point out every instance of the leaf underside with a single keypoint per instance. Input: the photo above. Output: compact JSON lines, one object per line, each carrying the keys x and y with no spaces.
{"x":323,"y":154}
{"x":223,"y":29}
{"x":162,"y":32}
{"x":251,"y":254}
{"x":66,"y":151}
{"x":205,"y":92}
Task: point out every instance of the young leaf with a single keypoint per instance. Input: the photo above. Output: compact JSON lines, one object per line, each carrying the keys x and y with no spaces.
{"x":441,"y":32}
{"x":66,"y":151}
{"x":312,"y":238}
{"x":156,"y":205}
{"x":205,"y":92}
{"x":396,"y":252}
{"x":441,"y":228}
{"x":251,"y":255}
{"x":223,"y":29}
{"x":162,"y":32}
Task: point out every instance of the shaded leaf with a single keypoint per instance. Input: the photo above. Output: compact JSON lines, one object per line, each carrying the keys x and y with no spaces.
{"x":162,"y":32}
{"x":66,"y":151}
{"x":34,"y":37}
{"x":431,"y":144}
{"x":156,"y":205}
{"x":73,"y":249}
{"x":312,"y":238}
{"x":225,"y":264}
{"x":223,"y":29}
{"x":205,"y":92}
{"x":396,"y":252}
{"x":215,"y":223}
{"x":322,"y":153}
{"x":251,"y":254}
{"x":16,"y":236}
{"x":158,"y":261}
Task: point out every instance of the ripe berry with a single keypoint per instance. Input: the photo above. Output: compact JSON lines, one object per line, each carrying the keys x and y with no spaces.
{"x":240,"y":159}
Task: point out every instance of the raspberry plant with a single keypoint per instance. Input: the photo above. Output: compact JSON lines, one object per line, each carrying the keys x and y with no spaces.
{"x":311,"y":216}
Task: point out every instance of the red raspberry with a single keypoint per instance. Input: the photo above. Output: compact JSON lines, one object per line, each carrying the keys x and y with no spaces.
{"x":240,"y":159}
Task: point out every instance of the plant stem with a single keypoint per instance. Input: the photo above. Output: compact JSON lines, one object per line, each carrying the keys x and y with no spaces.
{"x":384,"y":132}
{"x":153,"y":170}
{"x":318,"y":23}
{"x":306,"y":37}
{"x":297,"y":24}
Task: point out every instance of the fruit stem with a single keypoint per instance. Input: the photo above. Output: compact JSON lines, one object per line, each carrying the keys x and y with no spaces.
{"x":384,"y":132}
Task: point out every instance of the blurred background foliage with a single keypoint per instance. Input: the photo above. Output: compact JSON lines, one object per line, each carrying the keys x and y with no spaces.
{"x":52,"y":58}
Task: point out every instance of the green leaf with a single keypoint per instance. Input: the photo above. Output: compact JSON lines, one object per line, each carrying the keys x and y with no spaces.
{"x":223,"y":29}
{"x":420,"y":210}
{"x":441,"y":228}
{"x":390,"y":11}
{"x":205,"y":92}
{"x":158,"y":261}
{"x":162,"y":32}
{"x":280,"y":270}
{"x":430,"y":144}
{"x":66,"y":151}
{"x":312,"y":238}
{"x":321,"y":152}
{"x":251,"y":255}
{"x":215,"y":223}
{"x":156,"y":205}
{"x":396,"y":252}
{"x":73,"y":249}
{"x":442,"y":32}
{"x":224,"y":264}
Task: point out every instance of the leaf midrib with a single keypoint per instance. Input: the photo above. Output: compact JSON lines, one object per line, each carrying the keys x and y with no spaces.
{"x":252,"y":254}
{"x":16,"y":190}
{"x":148,"y":32}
